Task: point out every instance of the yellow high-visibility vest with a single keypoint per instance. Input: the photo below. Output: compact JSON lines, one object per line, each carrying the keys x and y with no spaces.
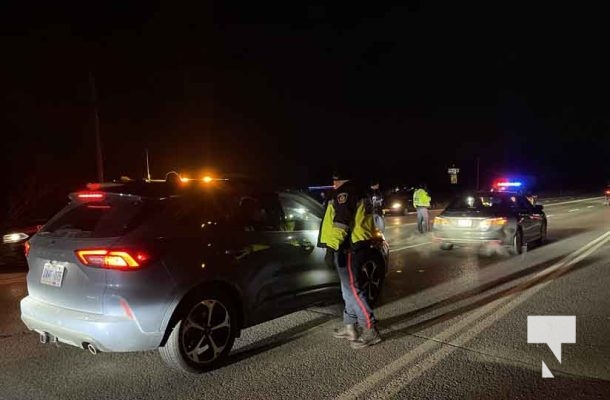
{"x":333,"y":235}
{"x":421,"y":198}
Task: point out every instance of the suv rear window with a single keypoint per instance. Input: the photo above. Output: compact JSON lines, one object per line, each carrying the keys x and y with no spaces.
{"x":478,"y":202}
{"x":101,"y":219}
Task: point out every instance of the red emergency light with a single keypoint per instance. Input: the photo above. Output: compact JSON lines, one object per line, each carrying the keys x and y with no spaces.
{"x":504,"y":184}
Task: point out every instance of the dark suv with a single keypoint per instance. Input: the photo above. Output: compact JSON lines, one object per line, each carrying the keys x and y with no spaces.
{"x":398,"y":200}
{"x":179,"y":267}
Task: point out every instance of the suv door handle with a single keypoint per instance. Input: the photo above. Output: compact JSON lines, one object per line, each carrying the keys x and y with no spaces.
{"x":306,"y":244}
{"x":302,"y":243}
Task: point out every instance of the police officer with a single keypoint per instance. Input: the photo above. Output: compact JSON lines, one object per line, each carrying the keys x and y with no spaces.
{"x":346,"y":232}
{"x":421,"y":202}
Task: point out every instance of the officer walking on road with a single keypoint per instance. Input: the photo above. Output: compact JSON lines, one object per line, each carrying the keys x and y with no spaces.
{"x":421,"y":202}
{"x":346,"y":232}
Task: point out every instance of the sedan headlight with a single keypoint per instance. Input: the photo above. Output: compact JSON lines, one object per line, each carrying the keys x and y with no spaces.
{"x":396,"y":205}
{"x":14,"y":237}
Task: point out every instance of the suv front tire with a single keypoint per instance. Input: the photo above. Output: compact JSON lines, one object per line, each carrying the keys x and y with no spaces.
{"x":202,"y":338}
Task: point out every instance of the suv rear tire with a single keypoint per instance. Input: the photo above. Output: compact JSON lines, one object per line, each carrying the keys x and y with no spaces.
{"x":203,"y":337}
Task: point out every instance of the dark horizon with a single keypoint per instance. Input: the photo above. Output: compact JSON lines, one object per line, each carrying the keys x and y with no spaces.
{"x":291,"y":92}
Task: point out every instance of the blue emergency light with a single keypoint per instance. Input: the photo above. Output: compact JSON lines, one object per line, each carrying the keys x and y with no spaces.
{"x":509,"y":184}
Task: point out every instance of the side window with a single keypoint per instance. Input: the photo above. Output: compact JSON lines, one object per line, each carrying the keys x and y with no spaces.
{"x":258,"y":213}
{"x":513,"y":203}
{"x":524,"y":204}
{"x":300,"y":214}
{"x":187,"y":216}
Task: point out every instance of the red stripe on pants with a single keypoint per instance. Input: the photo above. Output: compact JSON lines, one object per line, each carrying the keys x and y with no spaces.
{"x":351,"y":283}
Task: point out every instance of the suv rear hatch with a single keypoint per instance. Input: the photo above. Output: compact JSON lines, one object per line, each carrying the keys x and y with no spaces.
{"x":92,"y":221}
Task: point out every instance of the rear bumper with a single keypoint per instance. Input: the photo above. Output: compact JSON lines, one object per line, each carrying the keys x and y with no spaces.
{"x":106,"y":333}
{"x":473,"y":238}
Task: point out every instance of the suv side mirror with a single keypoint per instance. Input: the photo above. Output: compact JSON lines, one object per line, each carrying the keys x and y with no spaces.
{"x":538,"y":208}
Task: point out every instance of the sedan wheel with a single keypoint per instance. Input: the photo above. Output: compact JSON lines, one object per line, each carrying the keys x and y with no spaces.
{"x":517,"y":246}
{"x":201,"y":340}
{"x":372,"y":280}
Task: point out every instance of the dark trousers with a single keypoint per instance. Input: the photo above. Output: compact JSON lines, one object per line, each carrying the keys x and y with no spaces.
{"x":357,"y":309}
{"x":423,"y":219}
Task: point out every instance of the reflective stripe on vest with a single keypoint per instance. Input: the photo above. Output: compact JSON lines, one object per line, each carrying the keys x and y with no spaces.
{"x":364,"y":224}
{"x":331,"y":234}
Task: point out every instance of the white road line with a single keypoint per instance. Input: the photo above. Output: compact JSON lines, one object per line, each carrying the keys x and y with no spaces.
{"x":550,"y":215}
{"x":574,"y":209}
{"x":491,"y":313}
{"x":410,"y":246}
{"x":572,"y":201}
{"x":590,"y":206}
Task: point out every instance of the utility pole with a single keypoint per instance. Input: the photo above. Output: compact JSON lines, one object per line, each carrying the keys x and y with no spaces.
{"x":478,"y":158}
{"x":96,"y":126}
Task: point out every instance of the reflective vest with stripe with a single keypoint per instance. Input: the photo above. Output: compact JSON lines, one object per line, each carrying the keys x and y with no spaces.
{"x":334,"y":234}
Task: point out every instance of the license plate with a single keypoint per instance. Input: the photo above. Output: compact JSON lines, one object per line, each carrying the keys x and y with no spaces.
{"x":52,"y":274}
{"x":464,"y":223}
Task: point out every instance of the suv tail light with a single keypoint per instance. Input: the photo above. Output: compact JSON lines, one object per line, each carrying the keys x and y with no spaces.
{"x":113,"y":259}
{"x":26,"y":248}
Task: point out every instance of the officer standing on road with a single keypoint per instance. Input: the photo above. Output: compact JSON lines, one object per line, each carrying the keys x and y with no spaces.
{"x":346,"y":232}
{"x":421,"y":202}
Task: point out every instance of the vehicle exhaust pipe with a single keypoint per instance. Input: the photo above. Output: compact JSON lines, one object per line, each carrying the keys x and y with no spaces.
{"x":90,"y":347}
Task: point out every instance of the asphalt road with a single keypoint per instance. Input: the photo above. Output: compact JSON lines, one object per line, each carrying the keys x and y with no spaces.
{"x":454,"y":324}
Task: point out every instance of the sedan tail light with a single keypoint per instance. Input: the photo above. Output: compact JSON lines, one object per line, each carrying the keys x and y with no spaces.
{"x":26,"y":248}
{"x":492,"y":223}
{"x":440,"y":221}
{"x":113,"y":259}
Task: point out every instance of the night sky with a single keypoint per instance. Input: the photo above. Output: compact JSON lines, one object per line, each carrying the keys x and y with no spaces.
{"x":290,"y":90}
